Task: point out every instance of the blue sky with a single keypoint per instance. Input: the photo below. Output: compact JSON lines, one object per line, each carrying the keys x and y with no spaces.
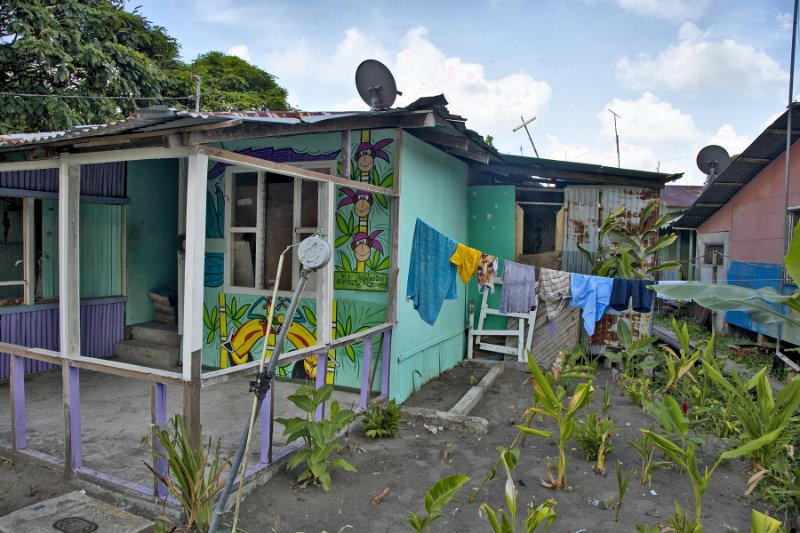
{"x":680,"y":73}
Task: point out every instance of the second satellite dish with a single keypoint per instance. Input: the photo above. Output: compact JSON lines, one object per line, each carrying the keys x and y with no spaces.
{"x":376,"y":85}
{"x":713,"y":159}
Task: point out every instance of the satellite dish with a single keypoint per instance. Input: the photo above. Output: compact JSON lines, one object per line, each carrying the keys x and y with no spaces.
{"x":713,"y":159}
{"x":376,"y":85}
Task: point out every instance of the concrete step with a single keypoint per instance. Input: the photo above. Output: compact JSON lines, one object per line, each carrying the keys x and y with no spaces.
{"x":156,"y":332}
{"x":148,"y":353}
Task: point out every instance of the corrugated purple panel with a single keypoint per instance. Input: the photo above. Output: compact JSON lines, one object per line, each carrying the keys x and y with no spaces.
{"x":102,"y":179}
{"x":35,"y":329}
{"x":102,"y":325}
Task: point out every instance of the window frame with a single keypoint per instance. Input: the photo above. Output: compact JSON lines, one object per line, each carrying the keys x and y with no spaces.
{"x":29,"y":265}
{"x":325,"y":167}
{"x":707,"y":259}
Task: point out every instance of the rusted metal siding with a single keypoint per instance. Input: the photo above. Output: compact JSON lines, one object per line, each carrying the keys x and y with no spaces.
{"x":586,"y":207}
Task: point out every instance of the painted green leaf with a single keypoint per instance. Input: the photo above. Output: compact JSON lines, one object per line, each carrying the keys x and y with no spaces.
{"x":382,"y":200}
{"x":210,"y":336}
{"x":206,"y":317}
{"x":348,"y":325}
{"x":346,"y":266}
{"x":310,"y":316}
{"x":241,"y":311}
{"x":384,"y":265}
{"x":350,"y":352}
{"x":341,"y":240}
{"x":351,"y":224}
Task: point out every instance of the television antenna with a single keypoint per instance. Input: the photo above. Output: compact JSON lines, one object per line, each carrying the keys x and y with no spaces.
{"x":376,"y":85}
{"x":525,"y":125}
{"x":713,"y":160}
{"x":616,"y":134}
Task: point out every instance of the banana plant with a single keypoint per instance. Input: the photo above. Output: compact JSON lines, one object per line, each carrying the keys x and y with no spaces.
{"x":632,"y":352}
{"x":685,"y":456}
{"x":436,"y":498}
{"x":548,"y":403}
{"x":761,"y":523}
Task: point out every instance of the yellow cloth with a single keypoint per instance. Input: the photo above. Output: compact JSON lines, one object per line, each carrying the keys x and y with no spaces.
{"x":466,"y":259}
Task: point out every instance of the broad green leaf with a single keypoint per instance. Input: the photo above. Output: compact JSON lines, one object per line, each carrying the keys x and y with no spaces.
{"x":761,"y":523}
{"x":752,"y":445}
{"x":443,"y":491}
{"x":532,"y":431}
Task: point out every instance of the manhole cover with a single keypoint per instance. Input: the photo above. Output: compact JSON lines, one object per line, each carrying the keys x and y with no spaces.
{"x":75,"y":524}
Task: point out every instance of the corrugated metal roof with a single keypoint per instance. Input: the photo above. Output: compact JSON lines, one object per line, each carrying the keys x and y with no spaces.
{"x":767,"y":147}
{"x":680,"y":195}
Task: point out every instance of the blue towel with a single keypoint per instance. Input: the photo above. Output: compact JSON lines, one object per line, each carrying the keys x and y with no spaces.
{"x":431,"y":275}
{"x":591,"y":294}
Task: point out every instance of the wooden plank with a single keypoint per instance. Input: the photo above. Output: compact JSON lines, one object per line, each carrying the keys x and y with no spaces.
{"x":234,"y":158}
{"x":226,"y":374}
{"x":366,"y":364}
{"x":356,"y":337}
{"x":191,"y":400}
{"x":326,"y":210}
{"x":127,"y":370}
{"x":17,"y":394}
{"x":29,"y":249}
{"x":194,"y":264}
{"x":442,"y":139}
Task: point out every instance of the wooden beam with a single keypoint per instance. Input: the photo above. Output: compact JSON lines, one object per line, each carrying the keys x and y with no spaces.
{"x":11,"y":166}
{"x":29,"y":249}
{"x":253,"y":130}
{"x":69,"y":306}
{"x":232,"y":158}
{"x":191,"y":399}
{"x":780,"y":131}
{"x":480,"y":157}
{"x":441,"y":139}
{"x":752,"y":160}
{"x":726,"y":184}
{"x":326,"y":211}
{"x":708,"y":205}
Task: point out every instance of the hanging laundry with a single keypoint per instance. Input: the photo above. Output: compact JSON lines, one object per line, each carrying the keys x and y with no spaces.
{"x":467,"y":260}
{"x":487,"y":267}
{"x":431,"y":275}
{"x":519,"y":288}
{"x":554,"y":290}
{"x":635,"y":290}
{"x":591,"y":294}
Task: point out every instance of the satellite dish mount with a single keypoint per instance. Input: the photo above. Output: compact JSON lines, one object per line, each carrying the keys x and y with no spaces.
{"x":713,"y":160}
{"x":376,"y":85}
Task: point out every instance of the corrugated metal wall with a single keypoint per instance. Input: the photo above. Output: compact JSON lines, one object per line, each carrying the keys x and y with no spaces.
{"x":586,"y":207}
{"x":102,"y":325}
{"x":102,"y":179}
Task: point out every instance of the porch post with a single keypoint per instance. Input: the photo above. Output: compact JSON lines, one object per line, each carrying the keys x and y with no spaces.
{"x":17,"y":381}
{"x":69,"y":307}
{"x":192,"y":325}
{"x":158,"y":419}
{"x":386,"y":362}
{"x":365,"y":368}
{"x":325,"y":318}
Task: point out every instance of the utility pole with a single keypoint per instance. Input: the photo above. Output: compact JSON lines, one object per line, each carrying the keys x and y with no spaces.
{"x":196,"y":79}
{"x":525,"y":125}
{"x":616,"y":134}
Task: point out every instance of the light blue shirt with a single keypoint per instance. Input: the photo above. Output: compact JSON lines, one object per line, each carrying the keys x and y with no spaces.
{"x":591,"y":294}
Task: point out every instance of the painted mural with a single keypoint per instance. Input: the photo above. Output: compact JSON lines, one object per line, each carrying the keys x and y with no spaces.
{"x":362,"y":218}
{"x":235,"y":325}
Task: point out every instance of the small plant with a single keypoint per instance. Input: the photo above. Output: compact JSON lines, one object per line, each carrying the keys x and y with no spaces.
{"x":506,"y":523}
{"x":639,"y":390}
{"x":319,"y":436}
{"x":436,"y":498}
{"x":646,"y":450}
{"x":192,"y":477}
{"x":632,"y":353}
{"x":622,"y":485}
{"x":548,"y":402}
{"x":593,"y":436}
{"x":380,"y":421}
{"x":644,"y":528}
{"x":680,"y":364}
{"x":606,"y":402}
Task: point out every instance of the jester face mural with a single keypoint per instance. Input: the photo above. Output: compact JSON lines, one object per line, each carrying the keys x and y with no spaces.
{"x":366,"y":154}
{"x":363,"y":244}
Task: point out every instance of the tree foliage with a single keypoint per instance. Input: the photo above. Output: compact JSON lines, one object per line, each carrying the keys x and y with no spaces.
{"x":232,"y":84}
{"x":69,"y":48}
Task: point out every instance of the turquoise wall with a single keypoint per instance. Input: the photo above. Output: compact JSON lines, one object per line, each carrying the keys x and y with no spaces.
{"x":100,"y":249}
{"x":491,"y":230}
{"x":434,"y":188}
{"x":151,"y":232}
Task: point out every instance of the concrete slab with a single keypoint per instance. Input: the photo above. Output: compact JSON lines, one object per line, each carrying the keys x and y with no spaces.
{"x":474,"y":395}
{"x":73,"y":513}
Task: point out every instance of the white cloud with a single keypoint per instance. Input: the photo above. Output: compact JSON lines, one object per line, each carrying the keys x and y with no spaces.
{"x":727,"y":137}
{"x":697,"y":63}
{"x":240,"y":51}
{"x":648,"y":120}
{"x":666,"y":9}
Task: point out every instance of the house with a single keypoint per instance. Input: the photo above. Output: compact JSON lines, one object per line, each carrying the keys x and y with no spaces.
{"x":97,"y":218}
{"x":745,"y":216}
{"x":675,"y":200}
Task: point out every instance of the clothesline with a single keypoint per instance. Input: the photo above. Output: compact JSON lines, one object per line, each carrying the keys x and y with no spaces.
{"x":437,"y":260}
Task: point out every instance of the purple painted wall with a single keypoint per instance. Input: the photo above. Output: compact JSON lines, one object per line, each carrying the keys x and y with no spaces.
{"x":103,"y":179}
{"x":102,"y":324}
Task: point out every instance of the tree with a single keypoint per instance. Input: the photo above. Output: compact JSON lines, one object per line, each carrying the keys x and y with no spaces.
{"x":232,"y":84}
{"x":81,"y":48}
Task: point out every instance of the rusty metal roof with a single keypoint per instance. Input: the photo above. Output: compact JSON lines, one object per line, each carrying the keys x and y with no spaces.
{"x":680,"y":195}
{"x":767,"y":147}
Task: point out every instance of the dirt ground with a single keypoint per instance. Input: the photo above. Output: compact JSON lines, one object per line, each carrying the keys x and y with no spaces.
{"x":409,"y":464}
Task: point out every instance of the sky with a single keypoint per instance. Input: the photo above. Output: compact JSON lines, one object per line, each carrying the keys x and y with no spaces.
{"x":680,"y":74}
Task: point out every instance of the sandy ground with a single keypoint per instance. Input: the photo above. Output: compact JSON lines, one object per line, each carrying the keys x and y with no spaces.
{"x":409,"y":464}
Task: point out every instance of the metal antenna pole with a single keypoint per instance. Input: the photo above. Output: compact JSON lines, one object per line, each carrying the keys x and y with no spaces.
{"x":616,"y":134}
{"x":525,"y":125}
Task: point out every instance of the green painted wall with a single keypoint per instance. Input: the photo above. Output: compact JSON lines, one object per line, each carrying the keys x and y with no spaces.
{"x":100,"y":249}
{"x":152,"y":229}
{"x":434,"y":188}
{"x":491,"y":230}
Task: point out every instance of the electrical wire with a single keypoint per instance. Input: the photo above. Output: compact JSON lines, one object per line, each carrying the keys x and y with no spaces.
{"x":86,"y":97}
